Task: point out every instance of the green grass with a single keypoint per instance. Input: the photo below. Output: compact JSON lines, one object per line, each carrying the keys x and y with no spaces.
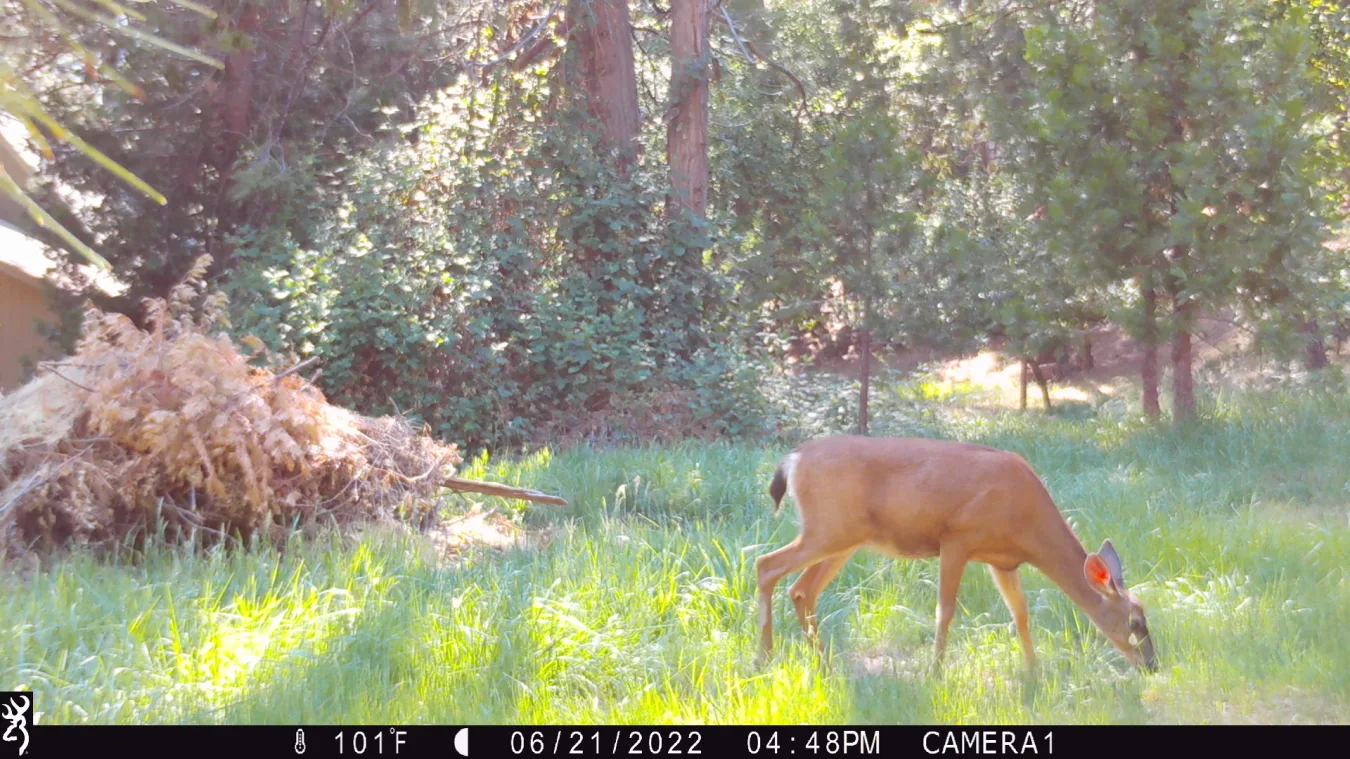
{"x":639,"y":608}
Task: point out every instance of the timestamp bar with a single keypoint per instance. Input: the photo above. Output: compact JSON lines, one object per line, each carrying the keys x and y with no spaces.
{"x":759,"y":741}
{"x":1098,"y":742}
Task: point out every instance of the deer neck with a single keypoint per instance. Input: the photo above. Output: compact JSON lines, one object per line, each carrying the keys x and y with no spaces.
{"x":1061,"y":559}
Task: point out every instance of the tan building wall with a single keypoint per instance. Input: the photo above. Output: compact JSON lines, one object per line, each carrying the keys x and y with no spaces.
{"x":25,"y":272}
{"x":18,"y":170}
{"x":22,"y":305}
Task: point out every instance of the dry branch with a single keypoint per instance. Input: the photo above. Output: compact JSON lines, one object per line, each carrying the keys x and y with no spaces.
{"x":505,"y":491}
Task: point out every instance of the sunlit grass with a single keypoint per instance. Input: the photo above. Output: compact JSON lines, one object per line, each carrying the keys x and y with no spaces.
{"x":639,"y":607}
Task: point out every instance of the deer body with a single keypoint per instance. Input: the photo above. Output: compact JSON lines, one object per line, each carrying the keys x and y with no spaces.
{"x":921,"y":498}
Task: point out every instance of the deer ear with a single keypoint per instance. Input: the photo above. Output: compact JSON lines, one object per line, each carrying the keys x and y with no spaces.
{"x":1112,"y":559}
{"x":1099,"y":575}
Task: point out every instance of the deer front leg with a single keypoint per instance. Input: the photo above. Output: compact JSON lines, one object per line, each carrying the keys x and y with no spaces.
{"x":951,"y":565}
{"x":1010,"y":585}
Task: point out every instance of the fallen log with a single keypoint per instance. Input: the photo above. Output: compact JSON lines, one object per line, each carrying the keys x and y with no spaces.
{"x":505,"y":491}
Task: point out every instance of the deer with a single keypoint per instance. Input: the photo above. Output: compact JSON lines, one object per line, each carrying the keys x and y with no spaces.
{"x":920,"y":498}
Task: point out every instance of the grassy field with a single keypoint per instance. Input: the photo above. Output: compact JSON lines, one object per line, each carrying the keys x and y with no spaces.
{"x":635,"y":604}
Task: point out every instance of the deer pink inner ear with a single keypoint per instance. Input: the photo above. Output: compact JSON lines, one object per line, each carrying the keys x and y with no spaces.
{"x":1097,"y":571}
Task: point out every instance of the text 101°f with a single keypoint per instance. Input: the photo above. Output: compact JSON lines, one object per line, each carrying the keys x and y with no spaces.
{"x":375,"y":742}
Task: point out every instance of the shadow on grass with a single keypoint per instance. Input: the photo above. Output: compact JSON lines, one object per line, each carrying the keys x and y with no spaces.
{"x":394,"y":664}
{"x":886,"y":687}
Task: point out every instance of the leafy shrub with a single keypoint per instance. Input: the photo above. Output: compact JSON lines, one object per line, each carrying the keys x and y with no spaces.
{"x":501,"y":285}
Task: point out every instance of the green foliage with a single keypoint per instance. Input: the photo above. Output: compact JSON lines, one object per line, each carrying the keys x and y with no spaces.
{"x":1174,"y":140}
{"x":299,"y":88}
{"x":502,"y":285}
{"x":821,"y":195}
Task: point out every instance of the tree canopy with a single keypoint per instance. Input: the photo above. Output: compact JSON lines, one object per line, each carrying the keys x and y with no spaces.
{"x":527,"y":218}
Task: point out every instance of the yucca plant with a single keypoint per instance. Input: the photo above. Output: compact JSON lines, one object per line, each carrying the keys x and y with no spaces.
{"x":62,"y":19}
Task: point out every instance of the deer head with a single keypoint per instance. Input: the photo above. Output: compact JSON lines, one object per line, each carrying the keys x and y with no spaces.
{"x":1121,"y":616}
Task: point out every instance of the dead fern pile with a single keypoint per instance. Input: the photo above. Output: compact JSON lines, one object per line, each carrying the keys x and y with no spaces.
{"x":172,"y":430}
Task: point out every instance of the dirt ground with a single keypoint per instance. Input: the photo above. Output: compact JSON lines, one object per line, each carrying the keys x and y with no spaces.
{"x":1116,"y":358}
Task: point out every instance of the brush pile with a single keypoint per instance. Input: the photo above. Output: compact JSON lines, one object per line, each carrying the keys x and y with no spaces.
{"x":173,"y":429}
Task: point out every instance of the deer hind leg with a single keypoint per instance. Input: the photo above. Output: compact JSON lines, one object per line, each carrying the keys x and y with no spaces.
{"x":770,"y":568}
{"x":806,"y":590}
{"x":1009,"y":583}
{"x":951,"y":565}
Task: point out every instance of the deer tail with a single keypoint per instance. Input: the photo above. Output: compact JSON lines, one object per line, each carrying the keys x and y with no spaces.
{"x":778,"y":487}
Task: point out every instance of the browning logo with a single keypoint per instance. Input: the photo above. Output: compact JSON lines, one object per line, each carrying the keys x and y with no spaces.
{"x":15,"y":709}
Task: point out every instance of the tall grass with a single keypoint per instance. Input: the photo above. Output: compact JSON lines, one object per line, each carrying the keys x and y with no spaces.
{"x":639,"y":606}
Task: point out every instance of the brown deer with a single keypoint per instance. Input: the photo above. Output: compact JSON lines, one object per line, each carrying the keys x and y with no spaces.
{"x":919,"y":498}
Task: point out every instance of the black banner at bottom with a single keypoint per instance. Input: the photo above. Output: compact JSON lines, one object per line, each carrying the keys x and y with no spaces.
{"x":258,"y":742}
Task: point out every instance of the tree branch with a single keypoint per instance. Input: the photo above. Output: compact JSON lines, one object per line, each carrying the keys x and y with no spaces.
{"x":970,"y":18}
{"x":50,"y":366}
{"x":542,"y":49}
{"x":747,"y":48}
{"x":503,"y":491}
{"x":296,"y":368}
{"x":523,"y":40}
{"x":736,"y":36}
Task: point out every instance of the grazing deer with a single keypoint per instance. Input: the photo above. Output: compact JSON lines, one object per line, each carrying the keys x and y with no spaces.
{"x":920,"y":498}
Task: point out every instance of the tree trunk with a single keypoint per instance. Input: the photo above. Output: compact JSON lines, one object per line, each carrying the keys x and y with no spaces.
{"x":1085,"y":359}
{"x":1148,"y":367}
{"x":604,"y":40}
{"x":1183,"y":320}
{"x":599,"y":73}
{"x":1041,"y":381}
{"x":687,"y":159}
{"x":1317,"y":350}
{"x":1183,"y":386}
{"x":687,"y":132}
{"x":1025,"y":371}
{"x":235,"y":111}
{"x":865,"y":345}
